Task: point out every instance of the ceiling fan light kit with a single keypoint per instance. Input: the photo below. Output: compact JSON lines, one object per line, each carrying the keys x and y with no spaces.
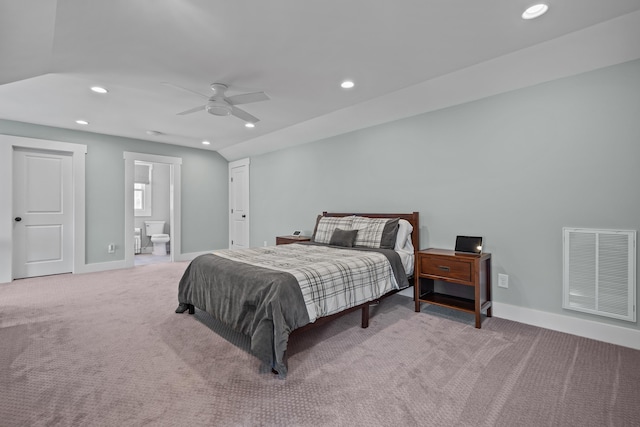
{"x":218,"y":107}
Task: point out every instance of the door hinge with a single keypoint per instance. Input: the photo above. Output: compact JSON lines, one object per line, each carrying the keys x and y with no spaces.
{"x":231,"y":179}
{"x":231,"y":210}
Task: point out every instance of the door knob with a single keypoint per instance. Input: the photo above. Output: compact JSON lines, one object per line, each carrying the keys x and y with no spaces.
{"x":244,"y":216}
{"x":18,"y":219}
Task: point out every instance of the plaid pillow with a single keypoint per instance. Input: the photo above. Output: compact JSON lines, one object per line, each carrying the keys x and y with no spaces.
{"x":326,"y":226}
{"x":375,"y":232}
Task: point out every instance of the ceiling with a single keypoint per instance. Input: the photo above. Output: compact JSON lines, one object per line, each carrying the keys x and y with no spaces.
{"x":406,"y":57}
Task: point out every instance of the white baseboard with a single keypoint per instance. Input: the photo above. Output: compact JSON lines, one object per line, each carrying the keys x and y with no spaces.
{"x":101,"y":266}
{"x":190,"y":256}
{"x":612,"y":334}
{"x":116,"y":265}
{"x":94,"y":268}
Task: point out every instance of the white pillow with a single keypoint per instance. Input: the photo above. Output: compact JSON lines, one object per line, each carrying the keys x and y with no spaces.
{"x":403,"y":239}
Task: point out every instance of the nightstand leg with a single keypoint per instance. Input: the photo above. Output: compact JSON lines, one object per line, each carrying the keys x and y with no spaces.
{"x":478,"y":304}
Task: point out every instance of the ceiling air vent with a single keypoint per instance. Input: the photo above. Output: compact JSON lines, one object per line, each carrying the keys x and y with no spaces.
{"x":599,"y":272}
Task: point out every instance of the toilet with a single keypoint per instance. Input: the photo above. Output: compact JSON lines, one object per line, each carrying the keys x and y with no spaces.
{"x":155,"y":230}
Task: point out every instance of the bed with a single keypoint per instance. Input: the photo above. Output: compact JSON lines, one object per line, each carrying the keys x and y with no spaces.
{"x":267,"y":293}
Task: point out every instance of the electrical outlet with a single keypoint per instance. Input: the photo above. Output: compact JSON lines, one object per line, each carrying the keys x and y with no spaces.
{"x":111,"y":248}
{"x":265,"y":243}
{"x":503,"y":280}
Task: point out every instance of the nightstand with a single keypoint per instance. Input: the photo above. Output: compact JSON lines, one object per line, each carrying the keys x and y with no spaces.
{"x":285,"y":240}
{"x":461,"y":269}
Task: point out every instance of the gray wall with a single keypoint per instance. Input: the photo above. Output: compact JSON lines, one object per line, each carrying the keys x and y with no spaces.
{"x":514,"y":168}
{"x":204,"y":189}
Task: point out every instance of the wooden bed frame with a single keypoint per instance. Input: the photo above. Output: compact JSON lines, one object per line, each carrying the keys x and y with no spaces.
{"x":414,"y":220}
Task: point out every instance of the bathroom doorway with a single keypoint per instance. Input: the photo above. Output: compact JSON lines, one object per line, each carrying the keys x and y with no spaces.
{"x":152,"y":208}
{"x":152,"y":226}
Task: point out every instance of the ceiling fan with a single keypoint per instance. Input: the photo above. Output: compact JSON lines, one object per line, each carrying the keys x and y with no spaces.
{"x":220,"y":105}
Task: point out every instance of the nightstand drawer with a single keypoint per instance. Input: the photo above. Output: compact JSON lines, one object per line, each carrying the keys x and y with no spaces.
{"x":448,"y":268}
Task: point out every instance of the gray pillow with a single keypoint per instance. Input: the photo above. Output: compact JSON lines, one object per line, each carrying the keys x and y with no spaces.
{"x":344,"y":238}
{"x":389,"y":234}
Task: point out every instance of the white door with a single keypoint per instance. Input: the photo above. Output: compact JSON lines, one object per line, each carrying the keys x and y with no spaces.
{"x":239,"y":204}
{"x":43,"y":213}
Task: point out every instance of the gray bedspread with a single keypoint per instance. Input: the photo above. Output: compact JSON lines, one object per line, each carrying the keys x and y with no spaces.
{"x":262,"y":303}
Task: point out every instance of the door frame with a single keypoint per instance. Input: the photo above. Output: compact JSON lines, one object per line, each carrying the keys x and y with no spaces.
{"x":242,"y":162}
{"x":78,"y":152}
{"x":175,"y":206}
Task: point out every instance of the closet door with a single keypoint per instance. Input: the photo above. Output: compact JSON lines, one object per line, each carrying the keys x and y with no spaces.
{"x":239,"y":204}
{"x":43,"y":213}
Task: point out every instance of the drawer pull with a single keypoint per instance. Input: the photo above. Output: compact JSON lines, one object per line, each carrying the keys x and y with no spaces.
{"x":444,"y":268}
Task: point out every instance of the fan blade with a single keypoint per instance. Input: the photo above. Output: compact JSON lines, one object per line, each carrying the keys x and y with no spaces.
{"x":247,"y":98}
{"x":243,"y":115}
{"x":192,"y":110}
{"x":185,"y":89}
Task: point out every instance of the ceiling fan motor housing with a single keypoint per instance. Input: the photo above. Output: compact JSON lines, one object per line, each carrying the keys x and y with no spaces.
{"x":218,"y":107}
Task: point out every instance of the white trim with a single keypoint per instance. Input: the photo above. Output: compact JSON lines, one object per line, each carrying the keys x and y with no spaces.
{"x":153,"y":158}
{"x":104,"y":266}
{"x":119,"y":265}
{"x":78,"y":152}
{"x":571,"y":325}
{"x":190,"y":256}
{"x":175,"y":219}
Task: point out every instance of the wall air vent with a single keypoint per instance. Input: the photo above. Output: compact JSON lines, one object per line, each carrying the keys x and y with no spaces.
{"x":599,"y":272}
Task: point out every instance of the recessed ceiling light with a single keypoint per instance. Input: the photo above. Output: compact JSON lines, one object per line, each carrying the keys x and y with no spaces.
{"x":154,"y":132}
{"x":347,"y":84}
{"x":249,"y":125}
{"x":205,"y":143}
{"x":99,"y":89}
{"x":535,"y":11}
{"x":82,"y":122}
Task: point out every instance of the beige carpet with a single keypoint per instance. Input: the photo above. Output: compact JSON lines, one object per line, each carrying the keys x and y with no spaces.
{"x":106,"y":349}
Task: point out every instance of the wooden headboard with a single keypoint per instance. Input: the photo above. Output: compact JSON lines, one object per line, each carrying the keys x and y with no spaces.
{"x":413,"y":218}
